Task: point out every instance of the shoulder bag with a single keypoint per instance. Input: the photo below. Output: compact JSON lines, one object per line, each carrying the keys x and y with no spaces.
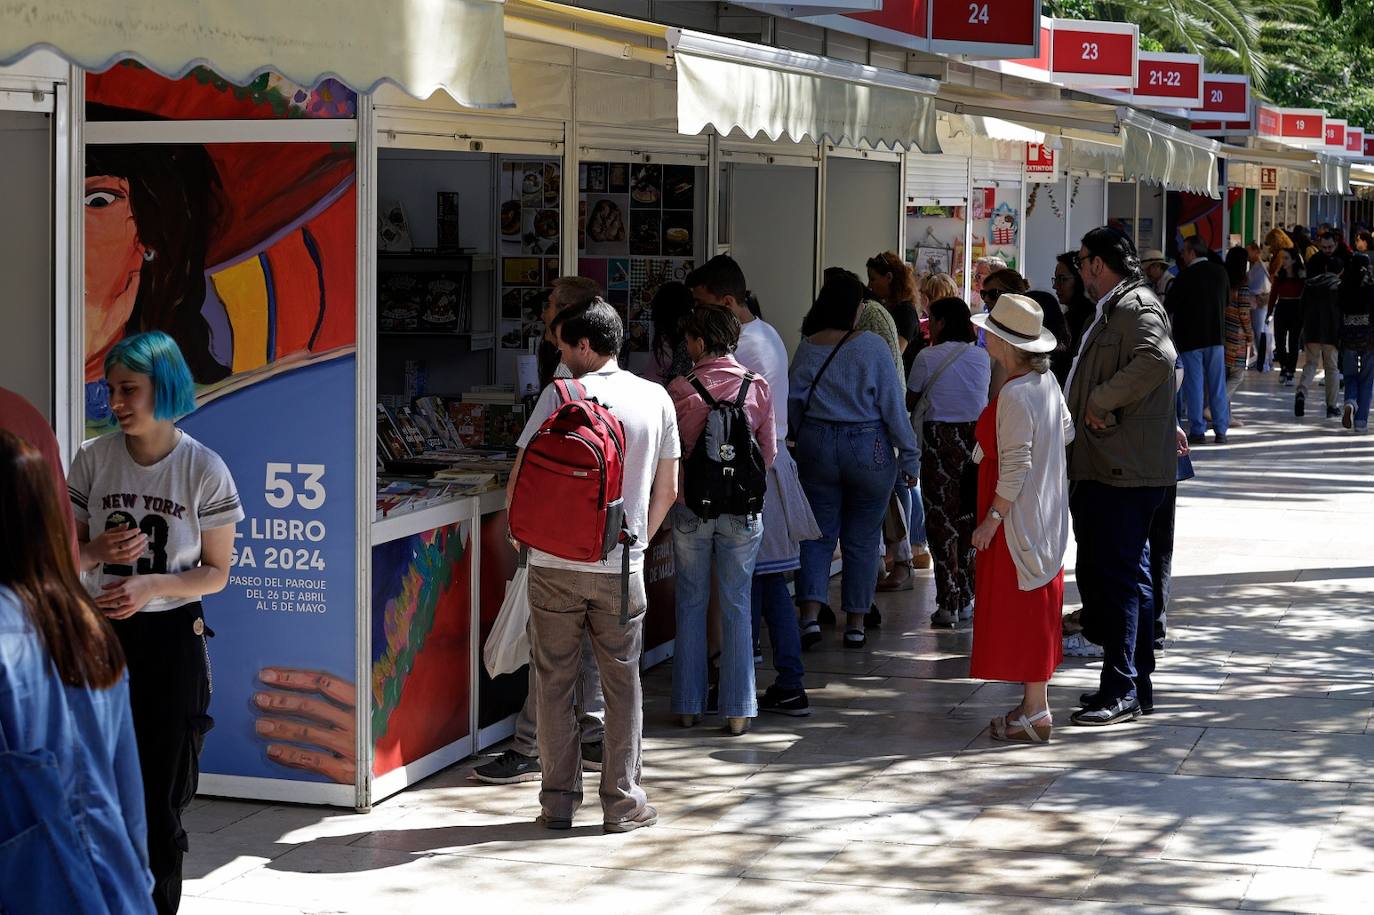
{"x":918,"y":412}
{"x":795,"y":430}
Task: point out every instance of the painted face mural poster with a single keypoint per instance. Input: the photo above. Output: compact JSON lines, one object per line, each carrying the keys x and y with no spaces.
{"x":246,"y":254}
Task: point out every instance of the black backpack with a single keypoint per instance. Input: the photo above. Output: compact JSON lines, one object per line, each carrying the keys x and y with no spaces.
{"x":725,"y":474}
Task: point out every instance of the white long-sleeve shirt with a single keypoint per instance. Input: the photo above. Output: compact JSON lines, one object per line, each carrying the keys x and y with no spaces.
{"x":1033,"y":428}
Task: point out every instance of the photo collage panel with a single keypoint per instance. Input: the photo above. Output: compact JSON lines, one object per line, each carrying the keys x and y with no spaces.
{"x":529,"y":191}
{"x":636,"y":230}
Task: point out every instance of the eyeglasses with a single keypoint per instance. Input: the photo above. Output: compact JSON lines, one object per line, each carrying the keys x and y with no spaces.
{"x":1061,"y":278}
{"x":990,"y":296}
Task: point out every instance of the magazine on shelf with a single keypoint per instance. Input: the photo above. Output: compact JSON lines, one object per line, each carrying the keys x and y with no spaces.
{"x":410,"y":431}
{"x":391,"y":445}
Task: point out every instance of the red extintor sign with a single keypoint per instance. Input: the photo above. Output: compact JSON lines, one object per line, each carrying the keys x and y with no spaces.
{"x":1094,"y":54}
{"x":1172,"y":80}
{"x":1040,"y":163}
{"x":985,"y":28}
{"x":1269,"y":179}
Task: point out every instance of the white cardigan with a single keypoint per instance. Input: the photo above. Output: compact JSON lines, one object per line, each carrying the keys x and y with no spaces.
{"x":1034,"y":427}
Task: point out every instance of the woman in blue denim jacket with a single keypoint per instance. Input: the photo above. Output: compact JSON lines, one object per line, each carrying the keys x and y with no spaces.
{"x":853,"y":438}
{"x":72,"y":831}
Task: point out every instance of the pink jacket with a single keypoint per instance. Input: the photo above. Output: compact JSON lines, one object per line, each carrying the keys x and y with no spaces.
{"x":721,"y":376}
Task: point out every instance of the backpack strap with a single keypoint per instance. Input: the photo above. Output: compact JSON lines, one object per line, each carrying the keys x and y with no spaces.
{"x":695,"y":382}
{"x":569,"y":389}
{"x":627,"y":540}
{"x":744,"y":389}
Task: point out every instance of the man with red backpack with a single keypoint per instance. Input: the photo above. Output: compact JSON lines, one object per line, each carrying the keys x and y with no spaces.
{"x":605,"y":433}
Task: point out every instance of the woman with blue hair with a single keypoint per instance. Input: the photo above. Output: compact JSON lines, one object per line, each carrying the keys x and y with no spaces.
{"x":155,"y":513}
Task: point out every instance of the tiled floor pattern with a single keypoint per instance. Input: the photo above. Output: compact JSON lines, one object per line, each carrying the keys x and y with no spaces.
{"x":1251,"y":788}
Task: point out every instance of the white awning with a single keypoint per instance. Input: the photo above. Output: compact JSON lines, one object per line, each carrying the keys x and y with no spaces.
{"x":729,"y":85}
{"x":1335,"y":174}
{"x":1160,"y":153}
{"x":420,"y":45}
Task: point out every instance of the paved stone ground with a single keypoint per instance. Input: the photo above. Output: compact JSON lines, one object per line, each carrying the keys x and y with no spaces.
{"x":1251,"y":787}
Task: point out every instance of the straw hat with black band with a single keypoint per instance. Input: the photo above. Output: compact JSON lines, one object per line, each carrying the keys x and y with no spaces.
{"x":1018,"y":320}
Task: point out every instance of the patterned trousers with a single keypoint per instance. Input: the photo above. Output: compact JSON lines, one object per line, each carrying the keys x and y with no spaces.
{"x":947,"y":448}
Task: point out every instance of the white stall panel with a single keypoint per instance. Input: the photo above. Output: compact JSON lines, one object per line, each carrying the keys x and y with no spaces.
{"x":26,"y":182}
{"x":863,"y":208}
{"x":773,"y":236}
{"x":1044,"y":228}
{"x":1087,"y":199}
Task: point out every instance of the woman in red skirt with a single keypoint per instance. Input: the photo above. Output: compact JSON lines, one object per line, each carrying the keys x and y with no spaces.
{"x":1023,"y":502}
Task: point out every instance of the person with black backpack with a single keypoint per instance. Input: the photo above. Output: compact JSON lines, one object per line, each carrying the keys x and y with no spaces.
{"x":725,"y":420}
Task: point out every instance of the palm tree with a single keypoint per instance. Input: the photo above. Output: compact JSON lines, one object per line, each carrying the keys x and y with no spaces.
{"x":1226,"y":33}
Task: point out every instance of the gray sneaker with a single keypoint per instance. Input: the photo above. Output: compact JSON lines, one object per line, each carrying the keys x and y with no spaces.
{"x":944,"y":619}
{"x":509,"y":768}
{"x":646,"y":817}
{"x":966,"y":613}
{"x":1076,"y":646}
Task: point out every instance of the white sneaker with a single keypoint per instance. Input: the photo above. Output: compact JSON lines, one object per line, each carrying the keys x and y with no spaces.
{"x":1076,"y":646}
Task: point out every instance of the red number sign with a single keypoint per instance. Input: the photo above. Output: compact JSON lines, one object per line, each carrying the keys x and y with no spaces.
{"x":1302,"y":124}
{"x":903,"y":22}
{"x":1335,"y":133}
{"x":1354,"y":140}
{"x":1226,"y":98}
{"x":1369,"y":145}
{"x":1099,"y":54}
{"x":1172,"y":79}
{"x":1270,"y":122}
{"x":996,"y":28}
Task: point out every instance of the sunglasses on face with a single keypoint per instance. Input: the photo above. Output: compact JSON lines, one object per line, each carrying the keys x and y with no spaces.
{"x":990,"y":296}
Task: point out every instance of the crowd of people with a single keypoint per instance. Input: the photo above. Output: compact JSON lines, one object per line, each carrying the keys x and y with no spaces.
{"x":907,"y":429}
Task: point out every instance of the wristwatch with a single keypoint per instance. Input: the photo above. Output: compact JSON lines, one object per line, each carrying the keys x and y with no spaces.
{"x":992,"y":512}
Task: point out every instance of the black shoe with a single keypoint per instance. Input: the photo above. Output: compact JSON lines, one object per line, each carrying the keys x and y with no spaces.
{"x":509,"y":768}
{"x":1103,"y":715}
{"x":827,"y":616}
{"x":713,"y":699}
{"x":1197,"y":439}
{"x":1221,"y":439}
{"x":591,"y":756}
{"x":873,"y":618}
{"x":855,"y":638}
{"x":1300,"y":403}
{"x":1332,"y":412}
{"x":1090,"y":700}
{"x":785,"y":702}
{"x":810,"y":634}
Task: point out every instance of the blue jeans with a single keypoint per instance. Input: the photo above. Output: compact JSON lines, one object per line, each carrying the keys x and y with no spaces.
{"x":773,"y":604}
{"x":910,"y":497}
{"x":848,"y":471}
{"x":1204,"y":374}
{"x":1358,"y":368}
{"x":733,"y":542}
{"x":1112,"y":525}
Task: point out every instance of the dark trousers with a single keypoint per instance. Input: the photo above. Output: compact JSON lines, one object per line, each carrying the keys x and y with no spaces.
{"x":1112,"y":526}
{"x":169,"y":694}
{"x":771,"y":603}
{"x":1288,"y":334}
{"x":1161,"y":548}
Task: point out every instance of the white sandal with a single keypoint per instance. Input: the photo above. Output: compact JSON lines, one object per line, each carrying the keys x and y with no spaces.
{"x":1030,"y":732}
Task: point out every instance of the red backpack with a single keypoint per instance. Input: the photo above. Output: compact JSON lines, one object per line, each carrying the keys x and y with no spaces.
{"x":567,"y":498}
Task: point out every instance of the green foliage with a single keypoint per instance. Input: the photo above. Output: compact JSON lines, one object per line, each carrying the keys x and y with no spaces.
{"x":1300,"y":53}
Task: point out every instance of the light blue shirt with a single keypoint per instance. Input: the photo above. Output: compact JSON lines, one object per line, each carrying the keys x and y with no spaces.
{"x":861,"y":385}
{"x":88,"y":735}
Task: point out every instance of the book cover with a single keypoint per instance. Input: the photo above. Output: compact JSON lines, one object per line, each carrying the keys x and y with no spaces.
{"x":390,"y":445}
{"x":410,"y":431}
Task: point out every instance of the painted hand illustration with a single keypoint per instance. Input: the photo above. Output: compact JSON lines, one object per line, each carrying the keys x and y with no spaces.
{"x":309,"y":720}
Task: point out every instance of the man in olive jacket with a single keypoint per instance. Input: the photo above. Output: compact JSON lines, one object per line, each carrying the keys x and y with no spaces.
{"x":1122,"y":460}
